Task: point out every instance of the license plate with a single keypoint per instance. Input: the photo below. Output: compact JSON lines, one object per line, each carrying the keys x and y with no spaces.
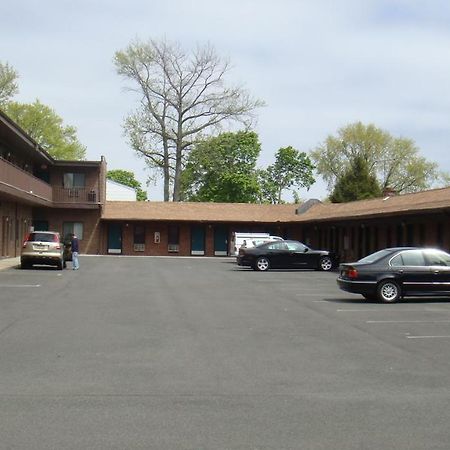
{"x":40,"y":248}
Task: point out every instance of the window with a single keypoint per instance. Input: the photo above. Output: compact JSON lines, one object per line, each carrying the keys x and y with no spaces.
{"x":73,"y":227}
{"x":139,"y":234}
{"x":296,"y":246}
{"x":74,"y":180}
{"x":43,"y":237}
{"x":277,"y":246}
{"x":173,"y":239}
{"x":409,"y":258}
{"x":436,"y":258}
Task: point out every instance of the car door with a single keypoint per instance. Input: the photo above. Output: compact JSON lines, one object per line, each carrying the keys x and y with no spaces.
{"x":411,"y":271}
{"x":439,"y":264}
{"x":298,"y":257}
{"x":278,"y":254}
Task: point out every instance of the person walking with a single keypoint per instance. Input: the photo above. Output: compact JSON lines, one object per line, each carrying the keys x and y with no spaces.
{"x":75,"y":250}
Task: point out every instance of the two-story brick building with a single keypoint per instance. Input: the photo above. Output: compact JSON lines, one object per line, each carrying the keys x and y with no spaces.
{"x":37,"y":190}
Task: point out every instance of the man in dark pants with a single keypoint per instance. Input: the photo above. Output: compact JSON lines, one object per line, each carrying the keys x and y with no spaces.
{"x":75,"y":250}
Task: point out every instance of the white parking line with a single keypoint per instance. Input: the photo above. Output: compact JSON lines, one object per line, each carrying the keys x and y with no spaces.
{"x":428,"y":337}
{"x":407,"y":321}
{"x":388,"y":308}
{"x":19,"y":285}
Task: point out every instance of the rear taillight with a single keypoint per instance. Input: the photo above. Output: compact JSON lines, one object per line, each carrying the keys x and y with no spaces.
{"x":352,"y":273}
{"x":26,"y":240}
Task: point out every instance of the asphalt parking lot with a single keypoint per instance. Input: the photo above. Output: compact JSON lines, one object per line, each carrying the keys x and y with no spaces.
{"x":197,"y":353}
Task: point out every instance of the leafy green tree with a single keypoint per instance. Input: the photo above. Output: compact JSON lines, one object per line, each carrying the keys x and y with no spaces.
{"x":47,"y":129}
{"x":183,"y":96}
{"x":356,"y":183}
{"x":292,"y":168}
{"x":8,"y":83}
{"x":127,"y":178}
{"x":395,"y":162}
{"x":223,"y":169}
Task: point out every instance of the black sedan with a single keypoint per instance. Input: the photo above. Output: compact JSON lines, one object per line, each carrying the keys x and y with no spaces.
{"x":285,"y":255}
{"x":394,"y":273}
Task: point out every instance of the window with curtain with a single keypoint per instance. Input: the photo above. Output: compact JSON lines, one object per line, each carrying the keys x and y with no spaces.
{"x":74,"y":180}
{"x":73,"y":227}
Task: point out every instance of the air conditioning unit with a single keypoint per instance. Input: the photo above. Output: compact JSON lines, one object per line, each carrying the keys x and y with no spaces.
{"x":173,"y":248}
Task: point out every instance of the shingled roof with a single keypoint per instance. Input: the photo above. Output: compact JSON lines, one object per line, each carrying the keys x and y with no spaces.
{"x":199,"y":212}
{"x":426,"y":201}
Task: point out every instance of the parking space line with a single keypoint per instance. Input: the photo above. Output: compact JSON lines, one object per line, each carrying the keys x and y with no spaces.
{"x":19,"y":285}
{"x":388,"y":308}
{"x":428,"y":337}
{"x":407,"y":321}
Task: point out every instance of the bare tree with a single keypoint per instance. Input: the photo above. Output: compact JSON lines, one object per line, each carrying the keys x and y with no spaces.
{"x":182,"y":97}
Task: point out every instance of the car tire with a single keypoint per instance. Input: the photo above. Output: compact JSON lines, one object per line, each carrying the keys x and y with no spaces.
{"x":60,"y":265}
{"x":325,"y":264}
{"x":388,"y":291}
{"x":262,"y":264}
{"x":24,"y":265}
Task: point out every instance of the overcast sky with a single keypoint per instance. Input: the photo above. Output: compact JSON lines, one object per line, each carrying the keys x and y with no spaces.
{"x":318,"y":64}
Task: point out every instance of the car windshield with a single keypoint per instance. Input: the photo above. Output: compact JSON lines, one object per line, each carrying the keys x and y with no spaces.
{"x":42,"y":237}
{"x":374,"y":257}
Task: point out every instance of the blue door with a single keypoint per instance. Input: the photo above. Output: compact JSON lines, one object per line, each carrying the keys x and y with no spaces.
{"x":115,"y":238}
{"x":220,"y":241}
{"x":198,"y":240}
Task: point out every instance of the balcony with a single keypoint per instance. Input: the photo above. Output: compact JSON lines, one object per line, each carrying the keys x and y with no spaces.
{"x":21,"y":184}
{"x":86,"y":197}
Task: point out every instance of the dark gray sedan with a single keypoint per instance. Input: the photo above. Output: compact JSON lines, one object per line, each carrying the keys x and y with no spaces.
{"x":394,"y":273}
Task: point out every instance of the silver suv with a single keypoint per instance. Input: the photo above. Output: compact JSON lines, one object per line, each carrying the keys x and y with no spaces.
{"x":42,"y":247}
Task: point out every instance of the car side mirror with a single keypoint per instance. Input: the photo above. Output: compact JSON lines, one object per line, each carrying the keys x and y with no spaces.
{"x":306,"y":250}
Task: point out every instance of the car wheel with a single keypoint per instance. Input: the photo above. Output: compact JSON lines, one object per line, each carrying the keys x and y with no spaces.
{"x":262,"y":264}
{"x":24,"y":265}
{"x":325,"y":263}
{"x":60,"y":265}
{"x":388,"y":291}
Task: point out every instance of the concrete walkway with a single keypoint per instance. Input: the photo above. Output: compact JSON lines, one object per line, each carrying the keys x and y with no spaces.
{"x":8,"y":263}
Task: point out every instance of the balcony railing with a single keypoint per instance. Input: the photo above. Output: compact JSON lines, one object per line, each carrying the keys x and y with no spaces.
{"x":25,"y":183}
{"x":75,"y":195}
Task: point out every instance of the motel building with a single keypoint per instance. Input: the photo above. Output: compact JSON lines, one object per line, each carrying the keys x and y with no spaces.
{"x":41,"y":193}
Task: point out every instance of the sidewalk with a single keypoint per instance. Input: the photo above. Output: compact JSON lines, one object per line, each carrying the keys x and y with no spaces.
{"x":8,"y":263}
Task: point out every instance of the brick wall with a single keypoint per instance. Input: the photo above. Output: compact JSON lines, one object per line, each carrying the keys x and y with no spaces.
{"x":15,"y":222}
{"x":91,"y":242}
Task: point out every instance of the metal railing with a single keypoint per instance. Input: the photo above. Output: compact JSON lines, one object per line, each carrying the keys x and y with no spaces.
{"x":75,"y":195}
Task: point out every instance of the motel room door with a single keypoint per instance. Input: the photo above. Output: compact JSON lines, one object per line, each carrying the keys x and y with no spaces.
{"x":198,"y":240}
{"x":220,"y":241}
{"x":115,"y":238}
